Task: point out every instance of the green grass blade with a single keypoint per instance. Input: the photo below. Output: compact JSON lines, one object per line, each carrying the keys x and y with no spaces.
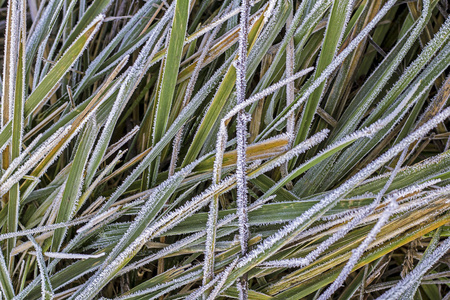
{"x":170,"y":66}
{"x":339,"y":17}
{"x":61,"y":67}
{"x":74,"y":183}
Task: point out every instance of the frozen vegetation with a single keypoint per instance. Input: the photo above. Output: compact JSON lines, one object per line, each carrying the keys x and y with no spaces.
{"x":246,"y":149}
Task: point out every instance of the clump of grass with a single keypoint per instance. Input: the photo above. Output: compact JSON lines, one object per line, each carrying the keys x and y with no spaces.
{"x":225,"y":149}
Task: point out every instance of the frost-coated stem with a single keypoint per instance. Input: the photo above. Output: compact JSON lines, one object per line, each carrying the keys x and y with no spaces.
{"x":241,"y":127}
{"x":73,"y":255}
{"x":202,"y":290}
{"x":167,"y":286}
{"x":345,"y":217}
{"x":45,"y":228}
{"x":266,"y":92}
{"x":12,"y":35}
{"x":46,"y":288}
{"x":242,"y":200}
{"x":37,"y":156}
{"x":221,"y":282}
{"x":290,"y":93}
{"x":19,"y":160}
{"x":211,"y":226}
{"x":211,"y":231}
{"x":215,"y":23}
{"x":241,"y":134}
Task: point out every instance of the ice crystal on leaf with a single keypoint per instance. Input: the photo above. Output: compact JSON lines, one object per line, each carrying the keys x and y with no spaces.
{"x":46,"y":288}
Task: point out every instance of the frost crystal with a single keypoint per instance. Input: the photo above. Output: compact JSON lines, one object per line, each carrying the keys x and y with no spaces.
{"x":294,"y":152}
{"x":72,"y":255}
{"x":223,"y":276}
{"x":12,"y":38}
{"x":37,"y":156}
{"x":269,"y":11}
{"x":241,"y":127}
{"x":166,"y":287}
{"x":241,"y":135}
{"x":46,"y":288}
{"x":98,"y":218}
{"x":45,"y":228}
{"x":290,"y":92}
{"x":196,"y":294}
{"x":20,"y":159}
{"x":264,"y":93}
